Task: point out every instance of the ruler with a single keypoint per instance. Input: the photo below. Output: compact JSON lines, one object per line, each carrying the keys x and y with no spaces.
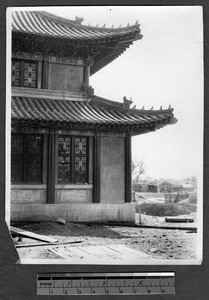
{"x":105,"y":283}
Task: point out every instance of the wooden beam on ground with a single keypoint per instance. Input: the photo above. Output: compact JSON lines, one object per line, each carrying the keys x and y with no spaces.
{"x":32,"y":235}
{"x":109,"y":224}
{"x":179,"y":220}
{"x":46,"y":244}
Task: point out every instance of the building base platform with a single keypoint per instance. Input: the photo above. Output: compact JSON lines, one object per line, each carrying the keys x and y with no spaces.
{"x":74,"y":212}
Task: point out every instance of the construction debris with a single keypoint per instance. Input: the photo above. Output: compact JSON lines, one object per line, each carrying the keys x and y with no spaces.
{"x":60,"y":221}
{"x":21,"y":232}
{"x":47,"y":244}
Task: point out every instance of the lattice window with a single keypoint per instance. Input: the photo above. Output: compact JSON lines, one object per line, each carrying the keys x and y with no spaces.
{"x":80,"y":169}
{"x":80,"y":146}
{"x":72,"y":159}
{"x":16,"y":73}
{"x":34,"y":169}
{"x":64,"y":166}
{"x":30,"y":74}
{"x":26,"y":158}
{"x":34,"y":144}
{"x":24,"y":73}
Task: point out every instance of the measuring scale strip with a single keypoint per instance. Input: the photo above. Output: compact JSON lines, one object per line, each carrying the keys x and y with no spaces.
{"x":105,"y":283}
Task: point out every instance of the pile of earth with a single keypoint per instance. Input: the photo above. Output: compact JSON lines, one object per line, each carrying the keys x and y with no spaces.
{"x":166,"y":209}
{"x":192,"y":199}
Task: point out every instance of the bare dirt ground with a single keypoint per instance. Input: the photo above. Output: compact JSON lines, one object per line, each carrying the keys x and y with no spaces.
{"x":155,"y":243}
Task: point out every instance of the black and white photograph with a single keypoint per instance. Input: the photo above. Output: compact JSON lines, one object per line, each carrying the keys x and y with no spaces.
{"x":104,"y":122}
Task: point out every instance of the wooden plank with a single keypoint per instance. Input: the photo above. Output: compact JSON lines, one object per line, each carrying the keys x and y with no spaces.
{"x":179,"y":220}
{"x":88,"y":252}
{"x":59,"y":253}
{"x":110,"y":252}
{"x":81,"y":253}
{"x":123,"y":252}
{"x":32,"y":235}
{"x":112,"y":247}
{"x":46,"y":244}
{"x":102,"y":251}
{"x":128,"y":250}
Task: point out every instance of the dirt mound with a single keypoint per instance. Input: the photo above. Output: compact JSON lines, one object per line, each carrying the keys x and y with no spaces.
{"x":192,"y":198}
{"x":166,"y":209}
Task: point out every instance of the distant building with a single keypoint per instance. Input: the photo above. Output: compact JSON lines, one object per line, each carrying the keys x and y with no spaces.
{"x":170,"y":186}
{"x":158,"y":186}
{"x":71,"y":149}
{"x":187,"y":187}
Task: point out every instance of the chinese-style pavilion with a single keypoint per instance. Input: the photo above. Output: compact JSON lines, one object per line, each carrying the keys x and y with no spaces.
{"x":70,"y":149}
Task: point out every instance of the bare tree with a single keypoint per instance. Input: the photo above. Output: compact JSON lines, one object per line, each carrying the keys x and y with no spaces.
{"x":137,"y":169}
{"x":193,"y":181}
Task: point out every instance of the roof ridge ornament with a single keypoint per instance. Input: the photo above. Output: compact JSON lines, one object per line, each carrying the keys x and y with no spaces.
{"x":126,"y":102}
{"x":78,"y":20}
{"x":88,"y":91}
{"x":89,"y":61}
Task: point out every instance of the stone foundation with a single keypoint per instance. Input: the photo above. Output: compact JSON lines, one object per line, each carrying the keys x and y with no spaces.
{"x":74,"y":212}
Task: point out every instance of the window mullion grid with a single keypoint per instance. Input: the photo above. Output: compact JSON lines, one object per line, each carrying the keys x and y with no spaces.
{"x":22,"y":72}
{"x":87,"y":160}
{"x":72,"y":173}
{"x":80,"y":155}
{"x":25,"y":157}
{"x":17,"y":156}
{"x":41,"y":156}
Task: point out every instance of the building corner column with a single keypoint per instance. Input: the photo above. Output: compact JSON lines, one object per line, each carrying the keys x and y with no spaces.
{"x":88,"y":63}
{"x":51,"y":168}
{"x":45,"y":72}
{"x":128,"y":175}
{"x":96,"y":169}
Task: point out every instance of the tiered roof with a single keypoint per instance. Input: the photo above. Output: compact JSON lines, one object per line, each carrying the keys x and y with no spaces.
{"x":97,"y":113}
{"x":45,"y":32}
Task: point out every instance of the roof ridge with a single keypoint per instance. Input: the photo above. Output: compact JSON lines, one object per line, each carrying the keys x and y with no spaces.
{"x":136,"y":110}
{"x":64,"y":21}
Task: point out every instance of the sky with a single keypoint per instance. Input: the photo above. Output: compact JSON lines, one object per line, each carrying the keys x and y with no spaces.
{"x":164,"y":68}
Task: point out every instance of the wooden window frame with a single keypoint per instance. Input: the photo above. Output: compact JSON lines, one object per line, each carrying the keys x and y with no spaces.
{"x":25,"y":158}
{"x":22,"y":70}
{"x":72,"y":156}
